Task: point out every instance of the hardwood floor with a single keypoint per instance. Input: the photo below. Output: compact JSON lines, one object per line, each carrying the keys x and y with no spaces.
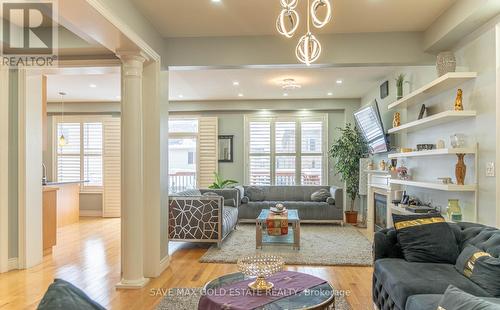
{"x":88,"y":255}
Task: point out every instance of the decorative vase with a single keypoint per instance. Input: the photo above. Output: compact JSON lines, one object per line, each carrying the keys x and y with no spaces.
{"x":400,"y":92}
{"x":460,"y":169}
{"x":458,"y":101}
{"x":445,"y":63}
{"x":382,"y":165}
{"x":454,"y":211}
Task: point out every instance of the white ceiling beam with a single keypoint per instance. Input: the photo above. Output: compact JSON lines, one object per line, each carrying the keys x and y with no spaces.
{"x":397,"y":48}
{"x":458,"y":21}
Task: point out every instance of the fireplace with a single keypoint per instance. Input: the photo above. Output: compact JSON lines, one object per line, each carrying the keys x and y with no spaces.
{"x":380,"y":209}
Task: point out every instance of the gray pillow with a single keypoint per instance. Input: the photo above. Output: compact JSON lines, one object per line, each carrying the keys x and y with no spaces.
{"x":64,"y":295}
{"x":245,"y":199}
{"x":481,"y":268}
{"x":456,"y":299}
{"x":255,"y":193}
{"x":320,"y":195}
{"x":330,"y":201}
{"x":229,"y":202}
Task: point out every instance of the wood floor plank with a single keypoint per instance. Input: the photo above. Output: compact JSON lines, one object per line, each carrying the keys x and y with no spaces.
{"x":88,"y":255}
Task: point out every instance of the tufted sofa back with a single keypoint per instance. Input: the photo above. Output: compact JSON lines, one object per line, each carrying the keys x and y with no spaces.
{"x":483,"y":237}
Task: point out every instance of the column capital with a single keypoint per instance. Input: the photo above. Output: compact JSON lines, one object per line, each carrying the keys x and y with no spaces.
{"x":132,"y":62}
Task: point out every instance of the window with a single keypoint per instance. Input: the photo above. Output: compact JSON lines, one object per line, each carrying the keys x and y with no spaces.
{"x":286,"y":150}
{"x":192,"y":152}
{"x":81,"y":158}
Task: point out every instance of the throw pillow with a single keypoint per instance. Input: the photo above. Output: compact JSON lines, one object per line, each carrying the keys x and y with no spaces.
{"x":330,"y":201}
{"x":229,"y":203}
{"x":456,"y":299}
{"x":245,"y":199}
{"x":481,"y":268}
{"x":320,"y":195}
{"x":64,"y":295}
{"x":426,"y":238}
{"x":255,"y":193}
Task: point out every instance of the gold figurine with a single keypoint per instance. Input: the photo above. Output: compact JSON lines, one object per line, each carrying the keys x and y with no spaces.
{"x":458,"y":102}
{"x":396,"y":121}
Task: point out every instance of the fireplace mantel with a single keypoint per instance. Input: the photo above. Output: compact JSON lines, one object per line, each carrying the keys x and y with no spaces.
{"x":378,"y":182}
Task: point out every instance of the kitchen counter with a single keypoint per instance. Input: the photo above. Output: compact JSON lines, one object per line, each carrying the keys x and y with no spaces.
{"x":63,"y":183}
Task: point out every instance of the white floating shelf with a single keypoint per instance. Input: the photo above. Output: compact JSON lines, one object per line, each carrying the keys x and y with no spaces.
{"x":378,"y":171}
{"x":436,"y":186}
{"x":446,"y":82}
{"x":436,"y":152}
{"x":433,"y":120}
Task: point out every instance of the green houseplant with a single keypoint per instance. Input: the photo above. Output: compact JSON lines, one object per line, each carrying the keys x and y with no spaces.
{"x":346,"y":152}
{"x":220,"y":183}
{"x":400,"y":79}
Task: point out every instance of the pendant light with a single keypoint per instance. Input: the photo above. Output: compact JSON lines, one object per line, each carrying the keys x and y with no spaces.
{"x":308,"y":49}
{"x":62,"y":138}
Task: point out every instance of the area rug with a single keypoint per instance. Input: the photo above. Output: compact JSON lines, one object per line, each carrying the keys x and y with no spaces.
{"x":187,"y":299}
{"x":327,"y":245}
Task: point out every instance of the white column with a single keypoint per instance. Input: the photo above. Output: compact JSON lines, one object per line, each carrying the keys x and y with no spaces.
{"x":132,"y":179}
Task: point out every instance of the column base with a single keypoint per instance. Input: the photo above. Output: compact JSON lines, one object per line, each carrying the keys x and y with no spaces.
{"x":132,"y":284}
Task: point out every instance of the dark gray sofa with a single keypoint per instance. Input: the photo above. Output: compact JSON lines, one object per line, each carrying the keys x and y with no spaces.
{"x":399,"y":284}
{"x":256,"y":198}
{"x":196,"y":217}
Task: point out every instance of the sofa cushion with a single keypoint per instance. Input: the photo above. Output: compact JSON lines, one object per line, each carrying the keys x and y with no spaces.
{"x":64,"y":295}
{"x":456,"y":299}
{"x":320,"y":195}
{"x":229,"y":220}
{"x":431,"y":301}
{"x":481,"y":268}
{"x":426,"y":238}
{"x":255,"y":193}
{"x":403,"y":279}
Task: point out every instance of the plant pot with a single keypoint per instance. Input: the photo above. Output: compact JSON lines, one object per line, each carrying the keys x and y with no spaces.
{"x":351,"y":217}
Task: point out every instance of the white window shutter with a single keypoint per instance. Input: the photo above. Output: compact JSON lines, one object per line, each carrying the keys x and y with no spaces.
{"x":207,"y":155}
{"x":111,"y":206}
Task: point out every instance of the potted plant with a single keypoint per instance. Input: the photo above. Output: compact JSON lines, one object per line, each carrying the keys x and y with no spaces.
{"x":346,"y":152}
{"x":220,"y":183}
{"x":400,"y":79}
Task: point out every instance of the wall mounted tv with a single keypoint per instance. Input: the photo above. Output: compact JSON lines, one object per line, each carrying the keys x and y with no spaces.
{"x":371,"y":127}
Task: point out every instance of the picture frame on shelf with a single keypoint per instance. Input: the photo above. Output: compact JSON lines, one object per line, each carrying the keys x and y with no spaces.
{"x":422,"y":111}
{"x":384,"y":90}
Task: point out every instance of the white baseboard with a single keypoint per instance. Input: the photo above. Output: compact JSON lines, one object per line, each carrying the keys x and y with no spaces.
{"x":12,"y":264}
{"x":164,"y":263}
{"x":92,"y":213}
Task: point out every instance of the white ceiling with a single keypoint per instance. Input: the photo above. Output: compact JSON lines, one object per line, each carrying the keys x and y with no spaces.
{"x":77,"y":84}
{"x":199,"y":18}
{"x":265,"y":83}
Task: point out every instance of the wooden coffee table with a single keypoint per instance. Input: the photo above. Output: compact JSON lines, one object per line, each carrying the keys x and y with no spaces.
{"x":292,"y":238}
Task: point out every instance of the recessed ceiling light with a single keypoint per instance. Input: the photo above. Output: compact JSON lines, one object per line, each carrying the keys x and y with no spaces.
{"x":240,"y":95}
{"x":340,"y":81}
{"x":236,"y":83}
{"x":92,"y":86}
{"x":181,"y":96}
{"x":330,"y":94}
{"x":285,"y":95}
{"x":216,"y":1}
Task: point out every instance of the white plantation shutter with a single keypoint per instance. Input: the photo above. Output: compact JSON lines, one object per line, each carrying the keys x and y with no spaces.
{"x":207,"y":146}
{"x":68,"y":156}
{"x":259,"y":166}
{"x":92,"y":154}
{"x":111,"y":206}
{"x":286,"y":150}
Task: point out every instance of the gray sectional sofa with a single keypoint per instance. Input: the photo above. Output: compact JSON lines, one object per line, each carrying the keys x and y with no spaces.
{"x":256,"y":198}
{"x":402,"y":285}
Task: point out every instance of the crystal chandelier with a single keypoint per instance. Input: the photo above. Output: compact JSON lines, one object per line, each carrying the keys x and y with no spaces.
{"x":308,"y":49}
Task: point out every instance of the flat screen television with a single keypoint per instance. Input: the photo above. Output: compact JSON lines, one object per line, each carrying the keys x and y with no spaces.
{"x":370,"y":125}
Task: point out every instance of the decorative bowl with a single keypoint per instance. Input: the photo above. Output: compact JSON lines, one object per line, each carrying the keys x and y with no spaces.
{"x":260,"y":266}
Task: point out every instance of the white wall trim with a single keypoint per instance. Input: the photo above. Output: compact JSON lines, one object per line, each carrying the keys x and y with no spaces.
{"x":497,"y":173}
{"x":4,"y":168}
{"x":13,"y":264}
{"x":164,"y":262}
{"x":91,"y":213}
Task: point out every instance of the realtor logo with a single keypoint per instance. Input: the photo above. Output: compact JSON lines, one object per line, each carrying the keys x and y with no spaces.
{"x":29,"y":33}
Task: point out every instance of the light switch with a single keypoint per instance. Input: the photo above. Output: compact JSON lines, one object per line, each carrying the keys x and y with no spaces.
{"x":490,"y":169}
